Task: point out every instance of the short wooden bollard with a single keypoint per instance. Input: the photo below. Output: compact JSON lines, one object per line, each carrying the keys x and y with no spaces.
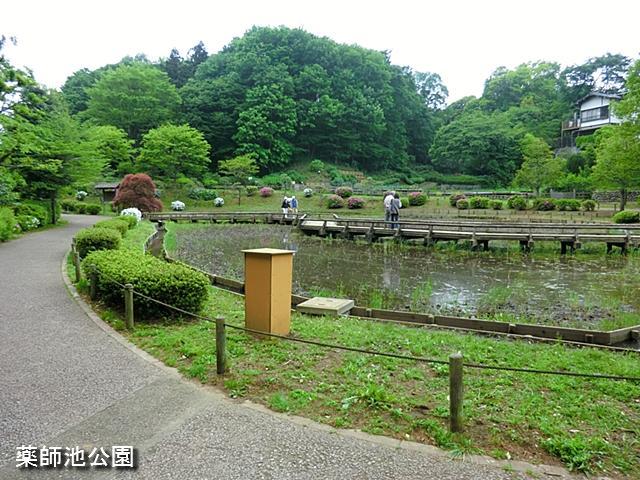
{"x":455,"y":392}
{"x":93,"y":282}
{"x":128,"y":305}
{"x":221,"y":346}
{"x":76,"y":263}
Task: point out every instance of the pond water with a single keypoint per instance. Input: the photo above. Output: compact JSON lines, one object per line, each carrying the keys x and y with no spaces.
{"x":586,"y":290}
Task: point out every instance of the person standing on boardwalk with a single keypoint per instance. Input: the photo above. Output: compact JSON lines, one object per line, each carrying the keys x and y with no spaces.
{"x":294,"y":204}
{"x":394,"y":210}
{"x":387,"y":206}
{"x":285,"y":205}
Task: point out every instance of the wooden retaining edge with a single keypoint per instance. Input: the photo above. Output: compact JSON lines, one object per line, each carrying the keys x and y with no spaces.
{"x":521,"y":330}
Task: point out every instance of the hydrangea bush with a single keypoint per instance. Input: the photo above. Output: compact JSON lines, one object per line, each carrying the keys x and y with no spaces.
{"x":355,"y":203}
{"x":307,"y":192}
{"x":132,"y":212}
{"x":81,"y":195}
{"x":335,"y":201}
{"x":177,"y":206}
{"x":417,"y":198}
{"x":218,"y":202}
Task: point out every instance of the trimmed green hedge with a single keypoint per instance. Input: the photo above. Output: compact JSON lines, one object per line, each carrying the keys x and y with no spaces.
{"x":7,"y":223}
{"x":115,"y":224}
{"x":130,"y":219}
{"x":481,"y":203}
{"x":172,"y":283}
{"x":92,"y":239}
{"x":568,"y":205}
{"x":627,"y":216}
{"x":33,"y":210}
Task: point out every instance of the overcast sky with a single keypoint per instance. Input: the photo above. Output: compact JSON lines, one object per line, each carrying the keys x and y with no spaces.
{"x":462,"y":40}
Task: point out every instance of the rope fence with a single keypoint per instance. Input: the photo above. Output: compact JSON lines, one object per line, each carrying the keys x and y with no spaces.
{"x":455,"y":362}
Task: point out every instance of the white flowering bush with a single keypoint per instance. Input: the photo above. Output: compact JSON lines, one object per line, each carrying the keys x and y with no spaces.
{"x":307,"y":192}
{"x":81,"y":195}
{"x":132,"y":212}
{"x":27,"y":223}
{"x":177,"y":206}
{"x":218,"y":201}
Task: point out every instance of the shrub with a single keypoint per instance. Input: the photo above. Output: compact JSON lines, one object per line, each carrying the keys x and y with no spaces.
{"x":251,"y":190}
{"x":517,"y":202}
{"x":172,"y":283}
{"x":568,"y":205}
{"x":33,"y":210}
{"x":626,"y":216}
{"x":131,"y":212}
{"x":307,"y":192}
{"x":131,"y":220}
{"x":589,"y":205}
{"x":266,"y":191}
{"x":137,"y":190}
{"x":335,"y":201}
{"x":496,"y":204}
{"x":316,"y":166}
{"x":344,"y":192}
{"x":27,"y":222}
{"x":355,"y":203}
{"x":218,"y":202}
{"x":453,"y":199}
{"x":177,"y":206}
{"x":121,"y":225}
{"x":202,"y":194}
{"x":417,"y":198}
{"x":93,"y":208}
{"x":7,"y":223}
{"x":81,"y":195}
{"x":544,"y":204}
{"x":91,"y":239}
{"x":68,"y":205}
{"x":462,"y":204}
{"x":479,"y":203}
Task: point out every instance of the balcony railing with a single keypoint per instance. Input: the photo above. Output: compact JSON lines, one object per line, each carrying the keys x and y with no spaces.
{"x":571,"y":124}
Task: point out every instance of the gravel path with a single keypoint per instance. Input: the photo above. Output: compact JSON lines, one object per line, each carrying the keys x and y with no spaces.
{"x":66,"y":382}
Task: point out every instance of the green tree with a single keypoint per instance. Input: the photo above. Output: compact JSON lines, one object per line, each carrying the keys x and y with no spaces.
{"x":134,"y":97}
{"x":172,"y":151}
{"x":431,"y":89}
{"x":113,"y":145}
{"x":477,"y":143}
{"x":618,"y":159}
{"x":539,"y":168}
{"x":239,"y":168}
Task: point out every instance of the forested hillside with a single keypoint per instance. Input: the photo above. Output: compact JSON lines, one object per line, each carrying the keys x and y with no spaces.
{"x":286,"y":97}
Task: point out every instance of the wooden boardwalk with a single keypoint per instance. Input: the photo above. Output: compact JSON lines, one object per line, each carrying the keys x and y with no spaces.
{"x":570,"y":236}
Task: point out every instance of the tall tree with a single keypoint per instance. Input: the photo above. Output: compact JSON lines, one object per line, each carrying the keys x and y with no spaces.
{"x":618,"y":160}
{"x":539,"y":169}
{"x":135,"y":98}
{"x":431,"y":89}
{"x":174,"y":150}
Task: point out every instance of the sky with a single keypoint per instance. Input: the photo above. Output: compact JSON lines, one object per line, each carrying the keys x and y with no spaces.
{"x":463,"y":41}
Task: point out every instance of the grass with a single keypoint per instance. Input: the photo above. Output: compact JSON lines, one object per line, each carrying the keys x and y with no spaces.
{"x":589,"y":425}
{"x":135,"y":238}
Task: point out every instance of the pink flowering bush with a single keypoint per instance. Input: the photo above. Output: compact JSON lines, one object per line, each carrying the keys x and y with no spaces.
{"x":417,"y":198}
{"x":335,"y":201}
{"x":355,"y":202}
{"x":266,"y":191}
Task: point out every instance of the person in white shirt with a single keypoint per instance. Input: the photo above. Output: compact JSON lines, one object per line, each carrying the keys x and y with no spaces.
{"x":387,"y":206}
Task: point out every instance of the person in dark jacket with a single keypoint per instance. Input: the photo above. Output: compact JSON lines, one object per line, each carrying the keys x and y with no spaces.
{"x":394,"y":210}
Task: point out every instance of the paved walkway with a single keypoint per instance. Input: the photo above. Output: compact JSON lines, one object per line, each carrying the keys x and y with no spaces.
{"x":66,"y":382}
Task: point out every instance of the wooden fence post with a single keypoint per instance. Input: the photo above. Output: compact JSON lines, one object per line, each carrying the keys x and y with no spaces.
{"x":93,"y":282}
{"x":76,"y":263}
{"x":455,"y":392}
{"x":221,"y":346}
{"x":128,"y":305}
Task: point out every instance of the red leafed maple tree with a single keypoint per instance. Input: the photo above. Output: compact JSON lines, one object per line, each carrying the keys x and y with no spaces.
{"x":137,"y":190}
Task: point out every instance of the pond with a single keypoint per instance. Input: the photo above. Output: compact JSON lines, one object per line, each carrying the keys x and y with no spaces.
{"x":584,"y":290}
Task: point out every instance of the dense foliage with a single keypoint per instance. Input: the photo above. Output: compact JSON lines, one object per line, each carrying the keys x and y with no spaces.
{"x":138,"y":191}
{"x":173,"y":283}
{"x":91,"y":239}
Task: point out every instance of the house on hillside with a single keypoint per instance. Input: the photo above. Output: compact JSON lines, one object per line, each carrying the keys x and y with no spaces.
{"x":593,"y":112}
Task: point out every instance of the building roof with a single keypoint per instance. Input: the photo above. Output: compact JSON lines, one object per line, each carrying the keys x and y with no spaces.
{"x":598,"y":94}
{"x":107,"y":185}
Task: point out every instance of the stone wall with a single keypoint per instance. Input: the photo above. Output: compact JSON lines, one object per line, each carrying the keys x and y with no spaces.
{"x":614,"y":196}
